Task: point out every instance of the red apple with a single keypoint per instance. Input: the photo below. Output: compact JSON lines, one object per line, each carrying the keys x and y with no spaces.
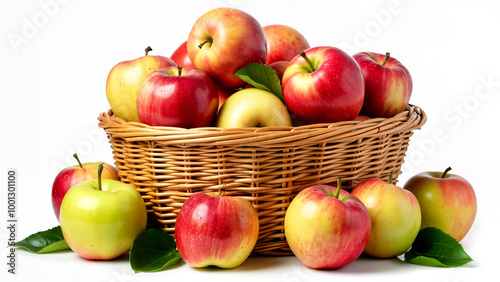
{"x":323,"y":85}
{"x":219,"y":231}
{"x":124,"y":81}
{"x":388,"y":84}
{"x":283,"y":43}
{"x":177,"y":97}
{"x":224,"y":94}
{"x":361,"y":117}
{"x":448,"y":201}
{"x":224,"y":40}
{"x":73,"y":175}
{"x":180,"y":56}
{"x":326,"y":227}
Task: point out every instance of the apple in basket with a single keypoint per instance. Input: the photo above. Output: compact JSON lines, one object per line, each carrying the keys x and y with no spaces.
{"x":179,"y":97}
{"x":100,"y":218}
{"x":283,"y":43}
{"x":180,"y":56}
{"x":224,"y":40}
{"x":326,"y":227}
{"x":124,"y":81}
{"x":216,"y":230}
{"x":448,"y":201}
{"x":388,"y":84}
{"x":395,"y":217}
{"x":328,"y":81}
{"x":73,"y":175}
{"x":253,"y":107}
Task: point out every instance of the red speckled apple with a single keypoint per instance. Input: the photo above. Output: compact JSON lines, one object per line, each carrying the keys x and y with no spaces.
{"x":283,"y":43}
{"x":180,"y":56}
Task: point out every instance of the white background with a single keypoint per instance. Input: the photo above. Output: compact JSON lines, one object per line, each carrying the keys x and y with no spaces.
{"x":56,"y":57}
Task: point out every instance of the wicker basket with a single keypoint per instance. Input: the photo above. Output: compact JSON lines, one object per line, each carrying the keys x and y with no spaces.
{"x":267,"y":166}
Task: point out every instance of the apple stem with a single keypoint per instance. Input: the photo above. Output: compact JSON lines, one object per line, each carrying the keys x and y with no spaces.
{"x":76,"y":157}
{"x":445,"y":172}
{"x":390,"y":177}
{"x":179,"y":68}
{"x":148,"y":49}
{"x":337,"y":193}
{"x":99,"y":173}
{"x":303,"y":54}
{"x":387,"y":56}
{"x":205,"y":42}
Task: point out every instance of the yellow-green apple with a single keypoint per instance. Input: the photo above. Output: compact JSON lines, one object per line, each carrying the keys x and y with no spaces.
{"x":216,"y":230}
{"x":253,"y":107}
{"x":323,"y":85}
{"x":326,"y":227}
{"x":124,"y":81}
{"x":73,"y":175}
{"x":388,"y":84}
{"x":224,"y":40}
{"x":100,"y":218}
{"x":180,"y":56}
{"x":395,"y":217}
{"x":447,"y":201}
{"x":283,"y":43}
{"x":179,"y":97}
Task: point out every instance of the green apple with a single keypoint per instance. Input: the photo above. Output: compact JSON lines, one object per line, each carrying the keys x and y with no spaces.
{"x":253,"y":107}
{"x":100,"y":218}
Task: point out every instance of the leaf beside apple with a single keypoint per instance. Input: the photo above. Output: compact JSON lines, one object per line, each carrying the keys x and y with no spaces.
{"x":42,"y":242}
{"x":262,"y":77}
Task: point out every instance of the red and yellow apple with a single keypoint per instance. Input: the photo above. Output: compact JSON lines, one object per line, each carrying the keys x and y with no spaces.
{"x":388,"y":84}
{"x":283,"y":43}
{"x":124,"y":81}
{"x":447,"y":201}
{"x":216,"y":230}
{"x":224,"y":40}
{"x":73,"y":175}
{"x":180,"y":56}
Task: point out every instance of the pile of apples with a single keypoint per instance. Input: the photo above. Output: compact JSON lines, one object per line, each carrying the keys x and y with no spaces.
{"x":197,"y":86}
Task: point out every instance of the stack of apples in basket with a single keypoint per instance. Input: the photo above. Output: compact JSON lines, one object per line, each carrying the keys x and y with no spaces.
{"x":231,"y":72}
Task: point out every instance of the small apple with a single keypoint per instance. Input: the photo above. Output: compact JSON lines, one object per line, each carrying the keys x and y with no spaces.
{"x":361,"y":117}
{"x":253,"y":107}
{"x":283,"y":43}
{"x":326,"y":227}
{"x":395,"y":217}
{"x":180,"y":56}
{"x":100,"y":218}
{"x":73,"y":175}
{"x":219,"y":231}
{"x":224,"y":40}
{"x":388,"y":84}
{"x":124,"y":81}
{"x":179,"y":97}
{"x":323,"y":85}
{"x":224,"y":94}
{"x":448,"y":201}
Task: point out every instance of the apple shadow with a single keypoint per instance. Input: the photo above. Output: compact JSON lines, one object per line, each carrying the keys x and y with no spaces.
{"x":252,"y":263}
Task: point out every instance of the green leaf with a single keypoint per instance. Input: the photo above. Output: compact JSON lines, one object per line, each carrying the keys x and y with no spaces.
{"x":262,"y":77}
{"x":433,"y":247}
{"x":153,"y":250}
{"x":48,"y":241}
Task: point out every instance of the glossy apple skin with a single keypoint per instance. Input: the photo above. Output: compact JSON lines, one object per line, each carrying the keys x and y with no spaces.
{"x":387,"y":88}
{"x":283,"y":43}
{"x":333,"y":92}
{"x":167,"y":99}
{"x":237,"y":40}
{"x":124,"y":81}
{"x":253,"y":107}
{"x":180,"y":56}
{"x":324,"y":232}
{"x":73,"y":175}
{"x":102,"y":224}
{"x":448,"y":203}
{"x":395,"y":217}
{"x":216,"y":231}
{"x":224,"y":94}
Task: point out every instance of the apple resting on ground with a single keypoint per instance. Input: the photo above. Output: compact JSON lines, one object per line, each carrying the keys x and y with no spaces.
{"x":73,"y":175}
{"x":447,"y":201}
{"x":326,"y":227}
{"x":323,"y":85}
{"x":220,"y":231}
{"x":253,"y":107}
{"x":395,"y":217}
{"x":388,"y":84}
{"x":100,"y":218}
{"x":224,"y":40}
{"x":180,"y":56}
{"x":177,"y":97}
{"x":124,"y":81}
{"x":283,"y":43}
